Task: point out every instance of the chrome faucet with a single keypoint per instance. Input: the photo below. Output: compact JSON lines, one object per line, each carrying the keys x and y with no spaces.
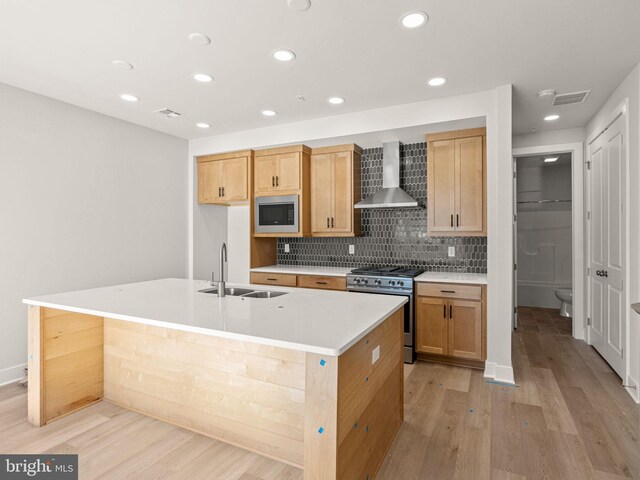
{"x":223,"y":258}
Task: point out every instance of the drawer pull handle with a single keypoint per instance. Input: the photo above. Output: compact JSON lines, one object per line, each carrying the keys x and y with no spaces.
{"x":452,"y":220}
{"x":321,"y":283}
{"x":450,"y":312}
{"x":444,"y":311}
{"x":448,"y":291}
{"x":272,"y":279}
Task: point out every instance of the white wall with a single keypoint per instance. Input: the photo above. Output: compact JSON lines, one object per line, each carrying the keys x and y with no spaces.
{"x":85,"y":201}
{"x":211,"y":228}
{"x":629,"y":89}
{"x":550,"y":137}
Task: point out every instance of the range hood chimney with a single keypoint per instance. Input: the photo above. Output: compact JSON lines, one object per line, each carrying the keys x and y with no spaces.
{"x":390,"y":195}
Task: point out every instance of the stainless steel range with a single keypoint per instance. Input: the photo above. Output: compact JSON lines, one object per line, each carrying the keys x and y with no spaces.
{"x":390,"y":281}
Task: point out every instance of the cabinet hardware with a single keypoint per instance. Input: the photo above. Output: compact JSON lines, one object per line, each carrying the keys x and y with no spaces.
{"x":448,"y":291}
{"x":452,"y":220}
{"x":332,"y":223}
{"x":451,"y":311}
{"x":321,"y":283}
{"x":223,"y":191}
{"x":457,"y":220}
{"x":327,"y":222}
{"x":273,"y":181}
{"x":277,"y":181}
{"x":272,"y":279}
{"x":444,"y":311}
{"x":219,"y":191}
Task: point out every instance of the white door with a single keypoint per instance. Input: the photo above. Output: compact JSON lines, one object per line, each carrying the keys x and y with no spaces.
{"x":607,"y":236}
{"x":515,"y":243}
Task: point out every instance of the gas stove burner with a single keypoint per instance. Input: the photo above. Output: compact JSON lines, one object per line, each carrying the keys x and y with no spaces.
{"x":388,"y":271}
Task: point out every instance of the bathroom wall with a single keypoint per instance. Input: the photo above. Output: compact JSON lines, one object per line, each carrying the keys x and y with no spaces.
{"x":391,"y":236}
{"x":544,"y":230}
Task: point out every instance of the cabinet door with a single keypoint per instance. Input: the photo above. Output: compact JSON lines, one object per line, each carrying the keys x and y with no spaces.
{"x":469,"y":175}
{"x":235,"y":179}
{"x":321,"y":194}
{"x":465,"y":329}
{"x":431,"y":325}
{"x":210,"y":179}
{"x":265,"y":174}
{"x":288,"y":171}
{"x":342,"y":193}
{"x":441,"y":186}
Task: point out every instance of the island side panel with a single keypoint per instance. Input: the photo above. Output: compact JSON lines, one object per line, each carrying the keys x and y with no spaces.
{"x":65,"y":363}
{"x":370,"y":399}
{"x":242,"y":393}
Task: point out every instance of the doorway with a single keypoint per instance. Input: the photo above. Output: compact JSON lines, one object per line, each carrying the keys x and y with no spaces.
{"x":543,"y":246}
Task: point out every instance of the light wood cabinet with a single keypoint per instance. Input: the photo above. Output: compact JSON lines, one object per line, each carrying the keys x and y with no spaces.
{"x":224,"y":178}
{"x":335,"y":189}
{"x":322,"y":282}
{"x":451,"y":322}
{"x":278,"y":174}
{"x":456,"y":183}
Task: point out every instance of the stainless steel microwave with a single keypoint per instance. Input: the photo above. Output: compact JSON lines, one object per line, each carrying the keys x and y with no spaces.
{"x":277,"y":214}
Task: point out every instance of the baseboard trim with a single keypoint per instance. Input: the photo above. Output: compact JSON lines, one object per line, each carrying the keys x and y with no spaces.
{"x":634,"y":392}
{"x":12,"y":374}
{"x":499,"y":373}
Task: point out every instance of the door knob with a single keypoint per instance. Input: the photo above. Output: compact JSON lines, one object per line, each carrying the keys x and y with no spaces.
{"x":605,"y":273}
{"x":599,"y":273}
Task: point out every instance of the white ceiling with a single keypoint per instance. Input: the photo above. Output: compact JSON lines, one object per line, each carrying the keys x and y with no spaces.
{"x":351,"y":48}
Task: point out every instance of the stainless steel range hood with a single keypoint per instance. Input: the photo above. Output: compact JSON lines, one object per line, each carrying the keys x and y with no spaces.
{"x":390,"y":195}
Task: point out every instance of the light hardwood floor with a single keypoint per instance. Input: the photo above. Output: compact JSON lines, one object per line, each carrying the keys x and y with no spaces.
{"x":567,"y":419}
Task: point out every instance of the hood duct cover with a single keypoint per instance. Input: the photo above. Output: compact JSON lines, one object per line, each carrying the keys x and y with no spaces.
{"x":390,"y":195}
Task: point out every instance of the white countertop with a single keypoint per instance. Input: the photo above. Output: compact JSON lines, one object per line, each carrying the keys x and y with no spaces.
{"x":452,"y":277}
{"x":318,"y":321}
{"x":302,"y":270}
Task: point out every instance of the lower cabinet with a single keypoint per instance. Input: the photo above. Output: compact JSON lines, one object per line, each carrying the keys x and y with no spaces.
{"x":302,"y":281}
{"x":451,"y":324}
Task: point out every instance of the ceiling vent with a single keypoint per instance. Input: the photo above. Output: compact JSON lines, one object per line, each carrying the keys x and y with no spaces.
{"x":570,"y":98}
{"x":168,"y":113}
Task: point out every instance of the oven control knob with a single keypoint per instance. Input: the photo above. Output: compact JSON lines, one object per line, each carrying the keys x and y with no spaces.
{"x":400,"y":283}
{"x":378,"y":281}
{"x":392,"y":282}
{"x":365,"y":281}
{"x":357,"y":280}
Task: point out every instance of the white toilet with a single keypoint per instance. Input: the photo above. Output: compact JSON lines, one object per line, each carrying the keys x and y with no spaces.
{"x":565,"y":295}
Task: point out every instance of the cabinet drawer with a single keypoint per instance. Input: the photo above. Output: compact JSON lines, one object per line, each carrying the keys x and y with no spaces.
{"x":282,"y":279}
{"x":327,"y":283}
{"x":450,"y":290}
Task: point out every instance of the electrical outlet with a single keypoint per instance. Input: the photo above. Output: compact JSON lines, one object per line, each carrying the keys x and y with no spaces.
{"x":375,"y":355}
{"x":452,"y":251}
{"x":352,"y":249}
{"x":286,"y":248}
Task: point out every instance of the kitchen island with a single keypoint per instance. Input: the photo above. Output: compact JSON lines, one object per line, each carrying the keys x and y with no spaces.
{"x":311,"y":378}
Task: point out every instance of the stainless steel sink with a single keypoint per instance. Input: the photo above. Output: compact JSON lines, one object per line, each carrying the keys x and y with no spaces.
{"x":232,"y":291}
{"x":264,"y":294}
{"x":244,"y":292}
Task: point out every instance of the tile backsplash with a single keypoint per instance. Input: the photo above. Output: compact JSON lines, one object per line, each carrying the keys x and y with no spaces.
{"x":391,"y":236}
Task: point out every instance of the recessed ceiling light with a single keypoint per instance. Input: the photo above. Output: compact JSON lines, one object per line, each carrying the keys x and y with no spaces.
{"x":202,"y":125}
{"x":199,"y":39}
{"x":268,"y":113}
{"x":299,"y":5}
{"x":550,"y":159}
{"x":122,"y":65}
{"x":203,"y":77}
{"x":284,"y":55}
{"x":437,"y":81}
{"x":551,"y":118}
{"x":414,"y":19}
{"x":129,"y":98}
{"x":336,"y":100}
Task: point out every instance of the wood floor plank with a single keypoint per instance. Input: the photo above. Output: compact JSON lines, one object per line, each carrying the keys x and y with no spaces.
{"x":405,"y":457}
{"x":506,"y":440}
{"x":573,"y":459}
{"x":473,"y":459}
{"x":502,"y":475}
{"x":479,"y":402}
{"x":540,"y":459}
{"x":554,"y":407}
{"x":601,"y":449}
{"x":444,"y":445}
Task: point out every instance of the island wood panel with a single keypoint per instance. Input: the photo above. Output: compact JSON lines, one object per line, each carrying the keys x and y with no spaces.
{"x":322,"y":282}
{"x":66,"y":362}
{"x":282,"y":279}
{"x":210,"y":385}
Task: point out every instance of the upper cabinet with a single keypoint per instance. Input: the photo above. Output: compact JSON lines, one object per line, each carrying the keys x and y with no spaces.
{"x":456,"y":183}
{"x":224,"y":178}
{"x":279,"y":171}
{"x":335,"y":189}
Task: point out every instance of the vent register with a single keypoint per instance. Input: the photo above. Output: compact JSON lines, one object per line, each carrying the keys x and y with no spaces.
{"x":570,"y":98}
